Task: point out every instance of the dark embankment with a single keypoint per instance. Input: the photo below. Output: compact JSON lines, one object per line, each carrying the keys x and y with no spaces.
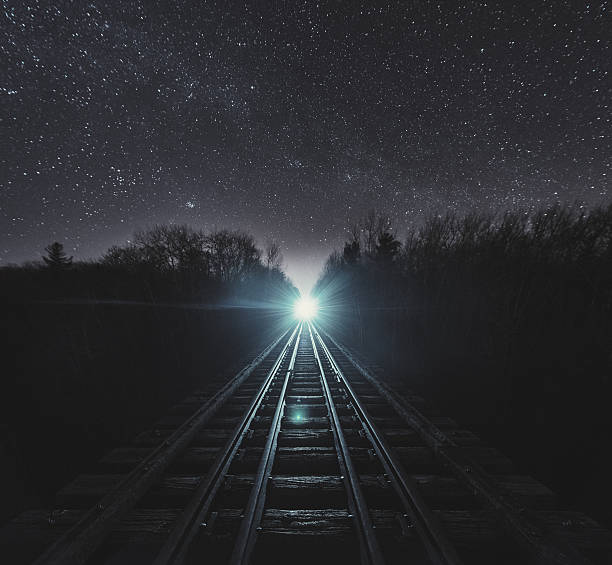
{"x":506,"y":323}
{"x":79,"y":379}
{"x":94,"y":352}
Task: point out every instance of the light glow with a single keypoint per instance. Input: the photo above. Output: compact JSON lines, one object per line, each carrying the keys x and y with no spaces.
{"x":306,"y":308}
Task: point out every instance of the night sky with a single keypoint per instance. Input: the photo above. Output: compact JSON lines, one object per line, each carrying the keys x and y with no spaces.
{"x":291,"y":119}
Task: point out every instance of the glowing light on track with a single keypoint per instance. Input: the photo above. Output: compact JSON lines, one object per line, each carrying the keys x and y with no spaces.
{"x":306,"y":308}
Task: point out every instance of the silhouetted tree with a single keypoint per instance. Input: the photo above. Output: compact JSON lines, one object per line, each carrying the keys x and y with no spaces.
{"x":333,"y":265}
{"x":273,"y":255}
{"x":172,"y":247}
{"x":387,"y":247}
{"x":56,"y":257}
{"x":126,"y":257}
{"x":351,"y":252}
{"x":372,"y":226}
{"x":232,"y":255}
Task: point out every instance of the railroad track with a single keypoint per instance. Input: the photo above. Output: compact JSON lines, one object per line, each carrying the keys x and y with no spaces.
{"x":305,"y":456}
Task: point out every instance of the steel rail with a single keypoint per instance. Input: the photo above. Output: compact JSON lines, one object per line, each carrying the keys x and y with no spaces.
{"x":194,"y":515}
{"x":526,"y":530}
{"x":247,"y":534}
{"x":77,"y":544}
{"x":439,"y":549}
{"x":358,"y":507}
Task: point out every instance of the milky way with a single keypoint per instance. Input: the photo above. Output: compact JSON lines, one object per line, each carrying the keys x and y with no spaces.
{"x":291,"y":119}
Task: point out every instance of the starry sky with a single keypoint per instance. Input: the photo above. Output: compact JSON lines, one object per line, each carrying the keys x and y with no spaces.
{"x":291,"y":119}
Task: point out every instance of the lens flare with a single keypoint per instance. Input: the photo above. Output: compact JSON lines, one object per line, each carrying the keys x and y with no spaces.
{"x":306,"y":308}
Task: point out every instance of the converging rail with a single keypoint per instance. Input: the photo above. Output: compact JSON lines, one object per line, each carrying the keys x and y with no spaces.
{"x":307,"y":455}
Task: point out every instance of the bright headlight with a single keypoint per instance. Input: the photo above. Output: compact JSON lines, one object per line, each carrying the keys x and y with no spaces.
{"x":306,"y":308}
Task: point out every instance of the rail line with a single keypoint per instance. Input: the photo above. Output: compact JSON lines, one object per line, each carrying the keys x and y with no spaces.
{"x":306,"y":455}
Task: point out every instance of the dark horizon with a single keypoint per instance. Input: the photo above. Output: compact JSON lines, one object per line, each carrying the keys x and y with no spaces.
{"x":307,"y":276}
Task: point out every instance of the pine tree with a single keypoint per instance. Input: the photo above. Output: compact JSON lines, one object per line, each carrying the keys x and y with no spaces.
{"x":56,"y":257}
{"x":387,"y":247}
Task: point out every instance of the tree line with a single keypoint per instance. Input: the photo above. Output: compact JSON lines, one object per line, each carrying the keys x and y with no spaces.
{"x":566,"y":249}
{"x":480,"y":280}
{"x":163,"y":262}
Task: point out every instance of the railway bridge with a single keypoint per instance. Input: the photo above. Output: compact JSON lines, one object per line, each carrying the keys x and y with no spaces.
{"x":308,"y":455}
